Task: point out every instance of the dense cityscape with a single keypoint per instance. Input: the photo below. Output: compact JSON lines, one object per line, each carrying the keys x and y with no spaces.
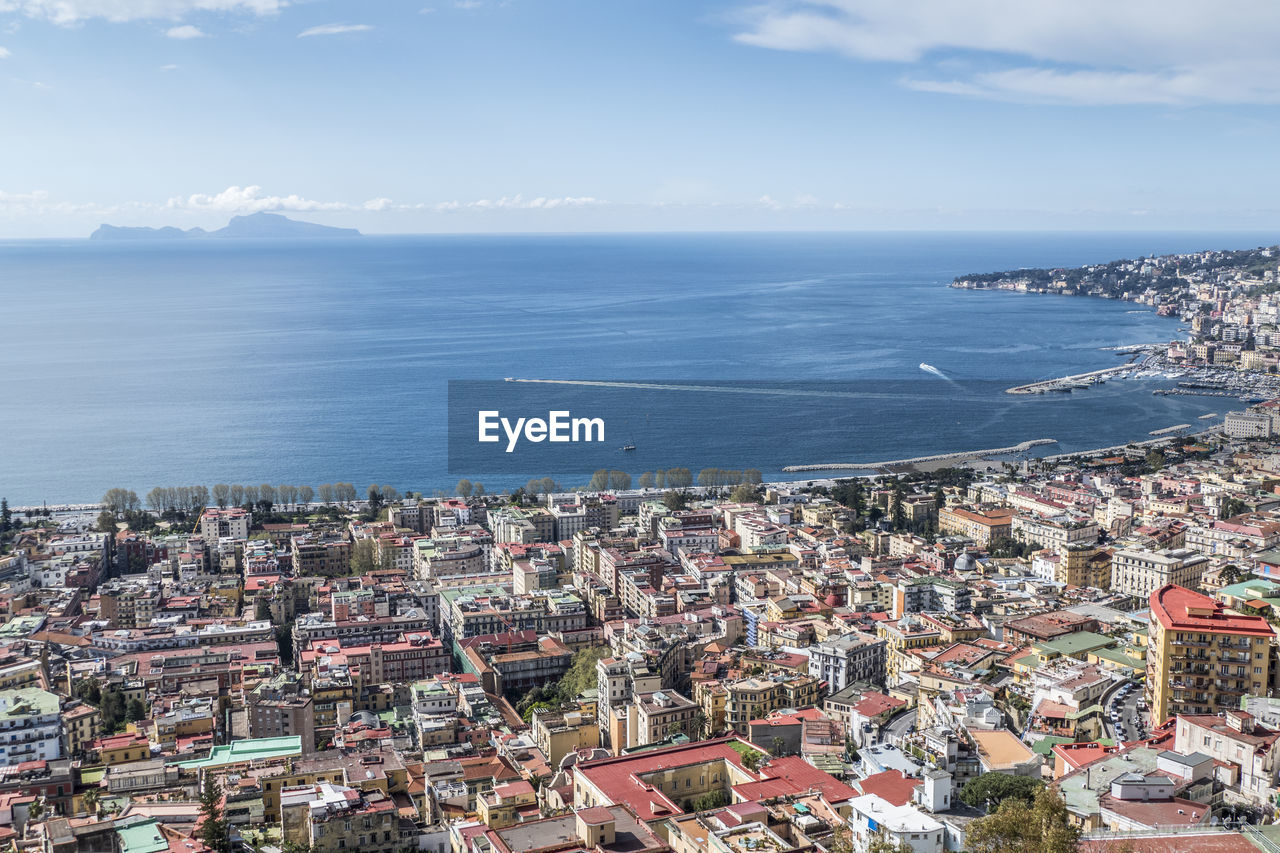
{"x":875,"y":663}
{"x":951,"y":654}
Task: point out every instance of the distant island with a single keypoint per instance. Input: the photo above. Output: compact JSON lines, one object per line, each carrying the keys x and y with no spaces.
{"x":253,"y":226}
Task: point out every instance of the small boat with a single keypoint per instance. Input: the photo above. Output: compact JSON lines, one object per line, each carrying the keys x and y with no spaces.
{"x":627,"y":447}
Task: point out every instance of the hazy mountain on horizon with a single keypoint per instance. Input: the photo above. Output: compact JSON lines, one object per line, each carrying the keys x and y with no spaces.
{"x":255,"y":225}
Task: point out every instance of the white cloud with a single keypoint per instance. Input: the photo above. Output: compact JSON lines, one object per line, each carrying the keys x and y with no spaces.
{"x":1057,"y":51}
{"x":68,"y":12}
{"x":334,"y":29}
{"x":169,"y":67}
{"x":517,"y":202}
{"x":468,"y":4}
{"x":4,"y":53}
{"x":251,"y":200}
{"x":186,"y":31}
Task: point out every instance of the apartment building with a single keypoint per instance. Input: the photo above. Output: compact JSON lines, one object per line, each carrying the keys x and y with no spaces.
{"x":1201,"y":657}
{"x":983,"y":526}
{"x":1139,"y":572}
{"x":843,"y":660}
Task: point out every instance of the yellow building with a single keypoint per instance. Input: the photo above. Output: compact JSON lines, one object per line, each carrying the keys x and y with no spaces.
{"x":900,"y":637}
{"x":753,"y":698}
{"x":1201,"y":657}
{"x":557,"y":733}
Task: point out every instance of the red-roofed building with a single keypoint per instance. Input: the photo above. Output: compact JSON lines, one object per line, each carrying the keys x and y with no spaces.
{"x":1203,"y":657}
{"x":891,"y":785}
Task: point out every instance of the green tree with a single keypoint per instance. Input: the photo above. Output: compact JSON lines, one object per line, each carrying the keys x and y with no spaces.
{"x":362,"y":557}
{"x":221,"y":494}
{"x":599,"y":481}
{"x":675,"y":500}
{"x":107,"y":522}
{"x":88,"y":690}
{"x":213,"y":823}
{"x":745,"y":493}
{"x":646,"y":480}
{"x":619,"y":481}
{"x":711,"y":800}
{"x":91,"y":798}
{"x":36,"y":810}
{"x":582,"y":672}
{"x":463,"y":488}
{"x":1017,"y":827}
{"x":995,"y":788}
{"x":136,"y":710}
{"x":305,"y":494}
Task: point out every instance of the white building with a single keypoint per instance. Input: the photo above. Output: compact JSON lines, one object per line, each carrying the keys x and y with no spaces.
{"x":30,"y":728}
{"x":872,"y":815}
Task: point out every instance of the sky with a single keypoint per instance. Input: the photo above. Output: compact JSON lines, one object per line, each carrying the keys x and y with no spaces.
{"x":583,"y":115}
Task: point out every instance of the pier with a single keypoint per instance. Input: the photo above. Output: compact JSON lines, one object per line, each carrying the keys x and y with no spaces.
{"x":1020,"y":447}
{"x":1067,"y":383}
{"x":1172,"y":429}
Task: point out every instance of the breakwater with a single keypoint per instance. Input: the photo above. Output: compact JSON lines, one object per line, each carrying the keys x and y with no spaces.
{"x":1020,"y":447}
{"x":1066,"y":383}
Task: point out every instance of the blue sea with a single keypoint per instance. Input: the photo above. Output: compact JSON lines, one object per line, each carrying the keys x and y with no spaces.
{"x":171,"y":363}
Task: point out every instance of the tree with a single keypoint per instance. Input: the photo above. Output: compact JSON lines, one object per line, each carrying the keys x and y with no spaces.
{"x":36,"y":810}
{"x":599,"y":481}
{"x":135,"y":711}
{"x":463,"y":488}
{"x":213,"y":823}
{"x":120,"y":501}
{"x":646,"y":480}
{"x":390,"y":495}
{"x":995,"y":788}
{"x":582,"y":672}
{"x":659,"y":479}
{"x":479,"y":490}
{"x":674,"y":500}
{"x":221,"y":493}
{"x":619,"y":481}
{"x":107,"y":522}
{"x":712,"y":800}
{"x":91,"y":798}
{"x":237,"y":494}
{"x":88,"y":690}
{"x":305,"y":494}
{"x":745,"y":493}
{"x":1016,"y":827}
{"x":267,"y":493}
{"x":679,"y":478}
{"x":362,"y":557}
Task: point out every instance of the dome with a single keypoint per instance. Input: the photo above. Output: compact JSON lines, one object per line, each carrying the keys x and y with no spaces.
{"x":966,"y":562}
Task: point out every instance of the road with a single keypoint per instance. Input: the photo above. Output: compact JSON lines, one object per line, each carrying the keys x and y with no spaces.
{"x":898,"y":727}
{"x":1128,"y":710}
